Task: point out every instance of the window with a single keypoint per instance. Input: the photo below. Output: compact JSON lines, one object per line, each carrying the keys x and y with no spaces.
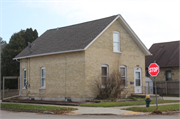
{"x":116,"y":41}
{"x":168,"y":75}
{"x":104,"y":74}
{"x":123,"y":74}
{"x":24,"y":79}
{"x":43,"y":77}
{"x":138,"y":79}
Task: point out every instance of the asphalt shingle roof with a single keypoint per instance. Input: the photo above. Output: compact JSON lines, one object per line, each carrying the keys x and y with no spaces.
{"x":74,"y":37}
{"x":165,"y":54}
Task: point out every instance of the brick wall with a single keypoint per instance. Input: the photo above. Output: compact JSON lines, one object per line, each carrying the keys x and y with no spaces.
{"x":64,"y":75}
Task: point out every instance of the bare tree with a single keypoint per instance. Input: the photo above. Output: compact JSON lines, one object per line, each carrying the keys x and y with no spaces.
{"x":112,"y":87}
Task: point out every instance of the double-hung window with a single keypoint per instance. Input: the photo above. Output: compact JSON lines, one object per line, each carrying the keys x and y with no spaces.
{"x":123,"y":75}
{"x":104,"y":75}
{"x":43,"y":77}
{"x":116,"y":42}
{"x":168,"y":75}
{"x":24,"y":79}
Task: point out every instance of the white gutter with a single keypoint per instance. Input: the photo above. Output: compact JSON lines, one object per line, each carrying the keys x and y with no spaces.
{"x":52,"y":53}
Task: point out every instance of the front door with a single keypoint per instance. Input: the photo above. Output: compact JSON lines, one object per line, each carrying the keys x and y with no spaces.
{"x":137,"y":80}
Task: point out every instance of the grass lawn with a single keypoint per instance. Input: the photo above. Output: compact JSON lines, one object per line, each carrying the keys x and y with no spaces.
{"x":126,"y":103}
{"x":36,"y":108}
{"x":162,"y":108}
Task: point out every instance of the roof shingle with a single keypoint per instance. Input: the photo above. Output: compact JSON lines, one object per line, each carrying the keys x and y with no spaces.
{"x":74,"y":37}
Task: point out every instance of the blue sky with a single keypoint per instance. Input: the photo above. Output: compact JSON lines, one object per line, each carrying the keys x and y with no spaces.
{"x":152,"y":20}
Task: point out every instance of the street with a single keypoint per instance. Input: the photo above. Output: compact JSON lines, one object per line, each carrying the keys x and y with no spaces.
{"x":25,"y":115}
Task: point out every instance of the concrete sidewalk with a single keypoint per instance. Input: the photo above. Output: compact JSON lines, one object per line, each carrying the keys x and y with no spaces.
{"x":171,"y":98}
{"x":104,"y":111}
{"x":112,"y":110}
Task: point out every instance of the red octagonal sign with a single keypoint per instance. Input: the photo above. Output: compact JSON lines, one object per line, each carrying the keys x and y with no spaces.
{"x":153,"y":69}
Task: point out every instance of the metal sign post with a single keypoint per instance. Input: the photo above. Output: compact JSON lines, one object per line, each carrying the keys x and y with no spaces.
{"x":156,"y":92}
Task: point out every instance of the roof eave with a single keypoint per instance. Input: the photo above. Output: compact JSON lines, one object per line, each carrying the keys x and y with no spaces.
{"x":45,"y":54}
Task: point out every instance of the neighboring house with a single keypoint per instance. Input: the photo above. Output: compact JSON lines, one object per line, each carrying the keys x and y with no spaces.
{"x":65,"y":62}
{"x":166,"y":55}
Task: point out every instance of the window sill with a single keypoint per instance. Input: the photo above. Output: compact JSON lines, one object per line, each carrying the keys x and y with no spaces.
{"x":117,"y":52}
{"x":23,"y":88}
{"x":42,"y":88}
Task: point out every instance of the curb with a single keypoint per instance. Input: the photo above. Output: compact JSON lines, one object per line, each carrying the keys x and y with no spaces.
{"x":123,"y":114}
{"x":75,"y":113}
{"x":171,"y":112}
{"x":118,"y":114}
{"x":134,"y":113}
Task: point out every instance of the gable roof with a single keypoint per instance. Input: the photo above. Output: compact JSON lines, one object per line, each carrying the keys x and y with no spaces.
{"x":74,"y":38}
{"x":165,"y":54}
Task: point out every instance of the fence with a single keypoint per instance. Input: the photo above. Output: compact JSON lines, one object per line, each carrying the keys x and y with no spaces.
{"x":167,"y":87}
{"x":9,"y":93}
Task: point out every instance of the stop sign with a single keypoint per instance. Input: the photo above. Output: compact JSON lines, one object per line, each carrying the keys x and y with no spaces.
{"x":153,"y":69}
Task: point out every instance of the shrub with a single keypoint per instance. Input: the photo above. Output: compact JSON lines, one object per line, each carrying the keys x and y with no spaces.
{"x":111,"y":88}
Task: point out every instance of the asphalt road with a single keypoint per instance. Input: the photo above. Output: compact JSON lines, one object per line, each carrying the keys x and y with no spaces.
{"x":24,"y":115}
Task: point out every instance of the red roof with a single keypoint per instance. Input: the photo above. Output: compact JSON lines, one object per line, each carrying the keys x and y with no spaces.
{"x":165,"y":54}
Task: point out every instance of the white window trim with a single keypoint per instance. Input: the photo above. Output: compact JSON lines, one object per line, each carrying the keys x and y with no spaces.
{"x":24,"y":87}
{"x":123,"y":66}
{"x":102,"y":86}
{"x":116,"y":32}
{"x":44,"y":87}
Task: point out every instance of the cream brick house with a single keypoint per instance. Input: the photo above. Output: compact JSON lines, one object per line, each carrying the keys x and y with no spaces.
{"x":66,"y":62}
